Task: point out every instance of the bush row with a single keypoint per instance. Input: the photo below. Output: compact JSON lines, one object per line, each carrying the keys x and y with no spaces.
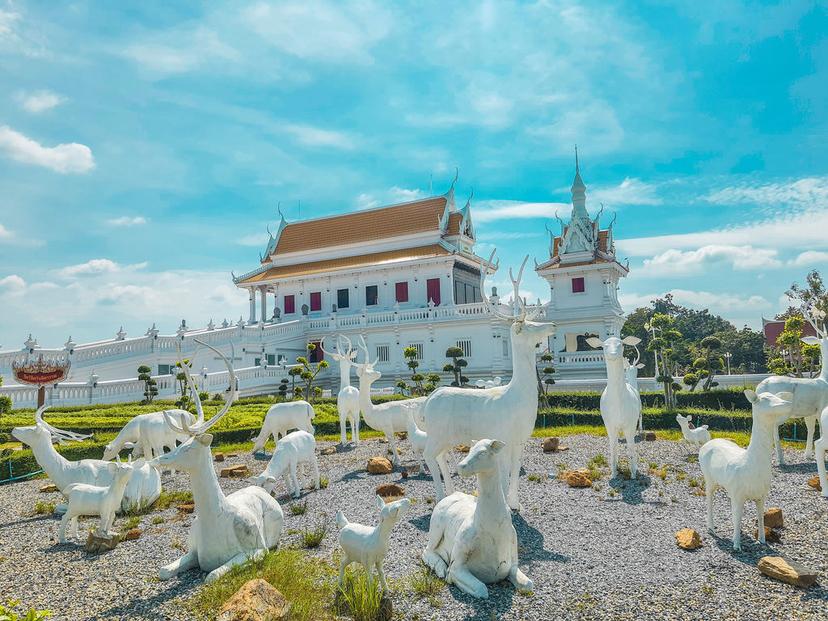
{"x":723,"y":399}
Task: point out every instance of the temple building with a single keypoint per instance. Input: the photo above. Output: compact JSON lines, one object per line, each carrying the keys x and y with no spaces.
{"x":583,"y":274}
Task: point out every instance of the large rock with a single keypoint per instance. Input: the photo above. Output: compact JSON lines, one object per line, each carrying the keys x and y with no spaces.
{"x":773,"y":518}
{"x":550,"y":445}
{"x":218,"y":457}
{"x":462,"y":448}
{"x":236,"y":472}
{"x":186,"y":507}
{"x":390,"y":492}
{"x":649,"y":436}
{"x":49,"y":488}
{"x":101,"y":542}
{"x":688,"y":539}
{"x":132,"y":534}
{"x":329,"y":450}
{"x":380,"y":465}
{"x":814,"y":482}
{"x":256,"y":600}
{"x":577,"y":478}
{"x":782,"y":569}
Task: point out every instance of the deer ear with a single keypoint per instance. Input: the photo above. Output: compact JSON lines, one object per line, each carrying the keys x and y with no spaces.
{"x":204,"y":439}
{"x":751,"y":396}
{"x":594,"y":341}
{"x":810,"y":340}
{"x":380,"y":502}
{"x":631,"y":340}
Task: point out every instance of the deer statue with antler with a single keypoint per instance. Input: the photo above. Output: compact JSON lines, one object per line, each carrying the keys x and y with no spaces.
{"x":810,"y":395}
{"x":144,"y":484}
{"x":347,"y":400}
{"x":453,"y":415}
{"x":228,"y":530}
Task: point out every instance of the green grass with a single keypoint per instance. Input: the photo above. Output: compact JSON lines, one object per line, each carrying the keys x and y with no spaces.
{"x":425,"y":584}
{"x":165,"y":501}
{"x":535,"y":478}
{"x":43,"y":508}
{"x":299,"y":509}
{"x":359,"y":598}
{"x":157,"y":520}
{"x":9,"y":612}
{"x":312,"y":537}
{"x":131,"y":522}
{"x":307,"y":582}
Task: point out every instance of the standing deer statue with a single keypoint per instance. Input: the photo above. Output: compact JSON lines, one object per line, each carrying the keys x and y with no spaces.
{"x":810,"y":395}
{"x":281,"y":418}
{"x":347,"y":400}
{"x":142,"y":490}
{"x":631,"y":369}
{"x":620,"y":402}
{"x":228,"y":530}
{"x":745,"y":473}
{"x":85,"y":499}
{"x":455,"y":415}
{"x":390,"y":417}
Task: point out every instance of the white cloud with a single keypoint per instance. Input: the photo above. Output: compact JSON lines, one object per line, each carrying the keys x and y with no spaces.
{"x":810,"y":258}
{"x":5,"y":233}
{"x":718,"y":303}
{"x":12,"y":284}
{"x":7,"y":21}
{"x":630,"y":191}
{"x":490,"y":211}
{"x":63,"y":158}
{"x":807,"y":191}
{"x":124,"y":221}
{"x":96,"y":267}
{"x":255,"y":239}
{"x":404,"y":195}
{"x":687,"y":262}
{"x":39,"y":101}
{"x":316,"y":137}
{"x":185,"y":51}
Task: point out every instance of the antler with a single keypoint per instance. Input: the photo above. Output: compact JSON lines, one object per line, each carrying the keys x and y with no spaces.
{"x":520,"y":305}
{"x":350,"y":354}
{"x":185,"y":369}
{"x":492,"y":308}
{"x":336,"y":355}
{"x":61,"y":435}
{"x":364,"y":349}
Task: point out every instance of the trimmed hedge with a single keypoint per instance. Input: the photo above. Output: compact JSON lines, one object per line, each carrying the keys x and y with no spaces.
{"x":725,"y":399}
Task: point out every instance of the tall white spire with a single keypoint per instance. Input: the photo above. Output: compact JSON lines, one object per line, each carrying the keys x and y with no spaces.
{"x":578,"y":192}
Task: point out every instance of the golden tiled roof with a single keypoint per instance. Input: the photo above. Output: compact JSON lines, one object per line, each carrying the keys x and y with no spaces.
{"x":363,"y":226}
{"x":377,"y":258}
{"x":454,"y":221}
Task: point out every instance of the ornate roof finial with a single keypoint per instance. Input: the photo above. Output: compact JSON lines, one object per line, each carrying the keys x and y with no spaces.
{"x":279,"y":211}
{"x":577,"y":167}
{"x":469,"y":199}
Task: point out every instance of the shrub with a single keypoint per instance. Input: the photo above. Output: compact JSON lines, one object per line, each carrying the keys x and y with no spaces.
{"x":44,"y":508}
{"x":359,"y":597}
{"x":8,"y":612}
{"x":312,"y":538}
{"x":5,"y":404}
{"x":426,"y":584}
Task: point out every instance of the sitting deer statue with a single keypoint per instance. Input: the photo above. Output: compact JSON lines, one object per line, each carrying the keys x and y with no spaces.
{"x":228,"y":530}
{"x":281,"y":418}
{"x":143,"y":488}
{"x":471,"y":540}
{"x":620,"y":402}
{"x":368,"y":545}
{"x":295,"y":449}
{"x":390,"y":417}
{"x":347,"y":400}
{"x":455,"y":416}
{"x":745,"y":473}
{"x":810,"y":395}
{"x":85,"y":499}
{"x":694,"y":435}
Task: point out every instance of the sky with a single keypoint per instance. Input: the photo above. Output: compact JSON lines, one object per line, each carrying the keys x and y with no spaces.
{"x":146,"y":146}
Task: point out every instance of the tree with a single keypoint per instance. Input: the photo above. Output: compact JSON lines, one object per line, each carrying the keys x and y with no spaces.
{"x":456,"y":366}
{"x":308,"y":372}
{"x":417,"y":379}
{"x":812,"y":294}
{"x":283,"y":387}
{"x":432,"y":381}
{"x":661,"y":346}
{"x":545,"y":379}
{"x":708,"y":361}
{"x":150,"y":385}
{"x":184,"y":401}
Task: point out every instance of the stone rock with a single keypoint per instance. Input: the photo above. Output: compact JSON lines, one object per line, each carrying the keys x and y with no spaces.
{"x":218,"y":457}
{"x":550,"y":445}
{"x":101,"y":542}
{"x":577,"y":478}
{"x":814,"y":482}
{"x":49,"y":488}
{"x":787,"y":571}
{"x":688,"y":539}
{"x":390,"y":492}
{"x":329,"y":450}
{"x":256,"y":600}
{"x":132,"y":534}
{"x":231,"y":455}
{"x":186,"y":507}
{"x":773,"y":518}
{"x":380,"y":465}
{"x":238,"y":471}
{"x":649,"y":436}
{"x":462,"y":448}
{"x":771,"y":535}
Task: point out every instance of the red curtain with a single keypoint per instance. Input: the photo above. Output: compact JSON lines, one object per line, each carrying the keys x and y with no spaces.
{"x":290,"y":304}
{"x":401,"y":292}
{"x":316,"y":301}
{"x":578,"y":285}
{"x":433,"y":290}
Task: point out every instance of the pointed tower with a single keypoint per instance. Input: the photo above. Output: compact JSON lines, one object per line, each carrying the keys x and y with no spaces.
{"x":583,"y":275}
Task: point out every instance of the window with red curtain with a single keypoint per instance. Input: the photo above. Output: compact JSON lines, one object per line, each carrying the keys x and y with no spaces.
{"x":290,"y":304}
{"x":401,"y":290}
{"x":316,"y":301}
{"x":578,"y":285}
{"x":433,"y":290}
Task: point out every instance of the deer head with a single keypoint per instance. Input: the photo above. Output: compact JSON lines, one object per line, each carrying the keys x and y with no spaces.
{"x":366,"y":371}
{"x":481,"y":458}
{"x":391,"y":513}
{"x":525,"y":329}
{"x":775,"y":406}
{"x":613,"y":346}
{"x":345,"y":352}
{"x":816,"y":318}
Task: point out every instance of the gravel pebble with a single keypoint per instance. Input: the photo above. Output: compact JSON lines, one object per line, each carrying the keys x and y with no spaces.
{"x":605,"y":552}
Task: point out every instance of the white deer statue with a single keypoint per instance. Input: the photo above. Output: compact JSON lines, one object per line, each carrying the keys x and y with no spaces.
{"x":417,"y":437}
{"x":455,"y":415}
{"x":820,"y":446}
{"x":620,"y":402}
{"x":745,"y":473}
{"x":471,"y":540}
{"x":810,"y":395}
{"x":694,"y":435}
{"x":142,"y":490}
{"x":390,"y":417}
{"x":281,"y":418}
{"x":85,"y":499}
{"x":368,"y":545}
{"x":297,"y":447}
{"x":228,"y":530}
{"x":347,"y":400}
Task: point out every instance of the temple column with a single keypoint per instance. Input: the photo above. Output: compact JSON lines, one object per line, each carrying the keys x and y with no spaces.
{"x":263,"y":291}
{"x":252,"y":318}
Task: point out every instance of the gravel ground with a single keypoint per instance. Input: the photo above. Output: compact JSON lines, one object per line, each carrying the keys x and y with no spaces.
{"x":606,"y":552}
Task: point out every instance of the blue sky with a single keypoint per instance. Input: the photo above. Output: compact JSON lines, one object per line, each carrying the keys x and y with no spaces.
{"x":144,"y":147}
